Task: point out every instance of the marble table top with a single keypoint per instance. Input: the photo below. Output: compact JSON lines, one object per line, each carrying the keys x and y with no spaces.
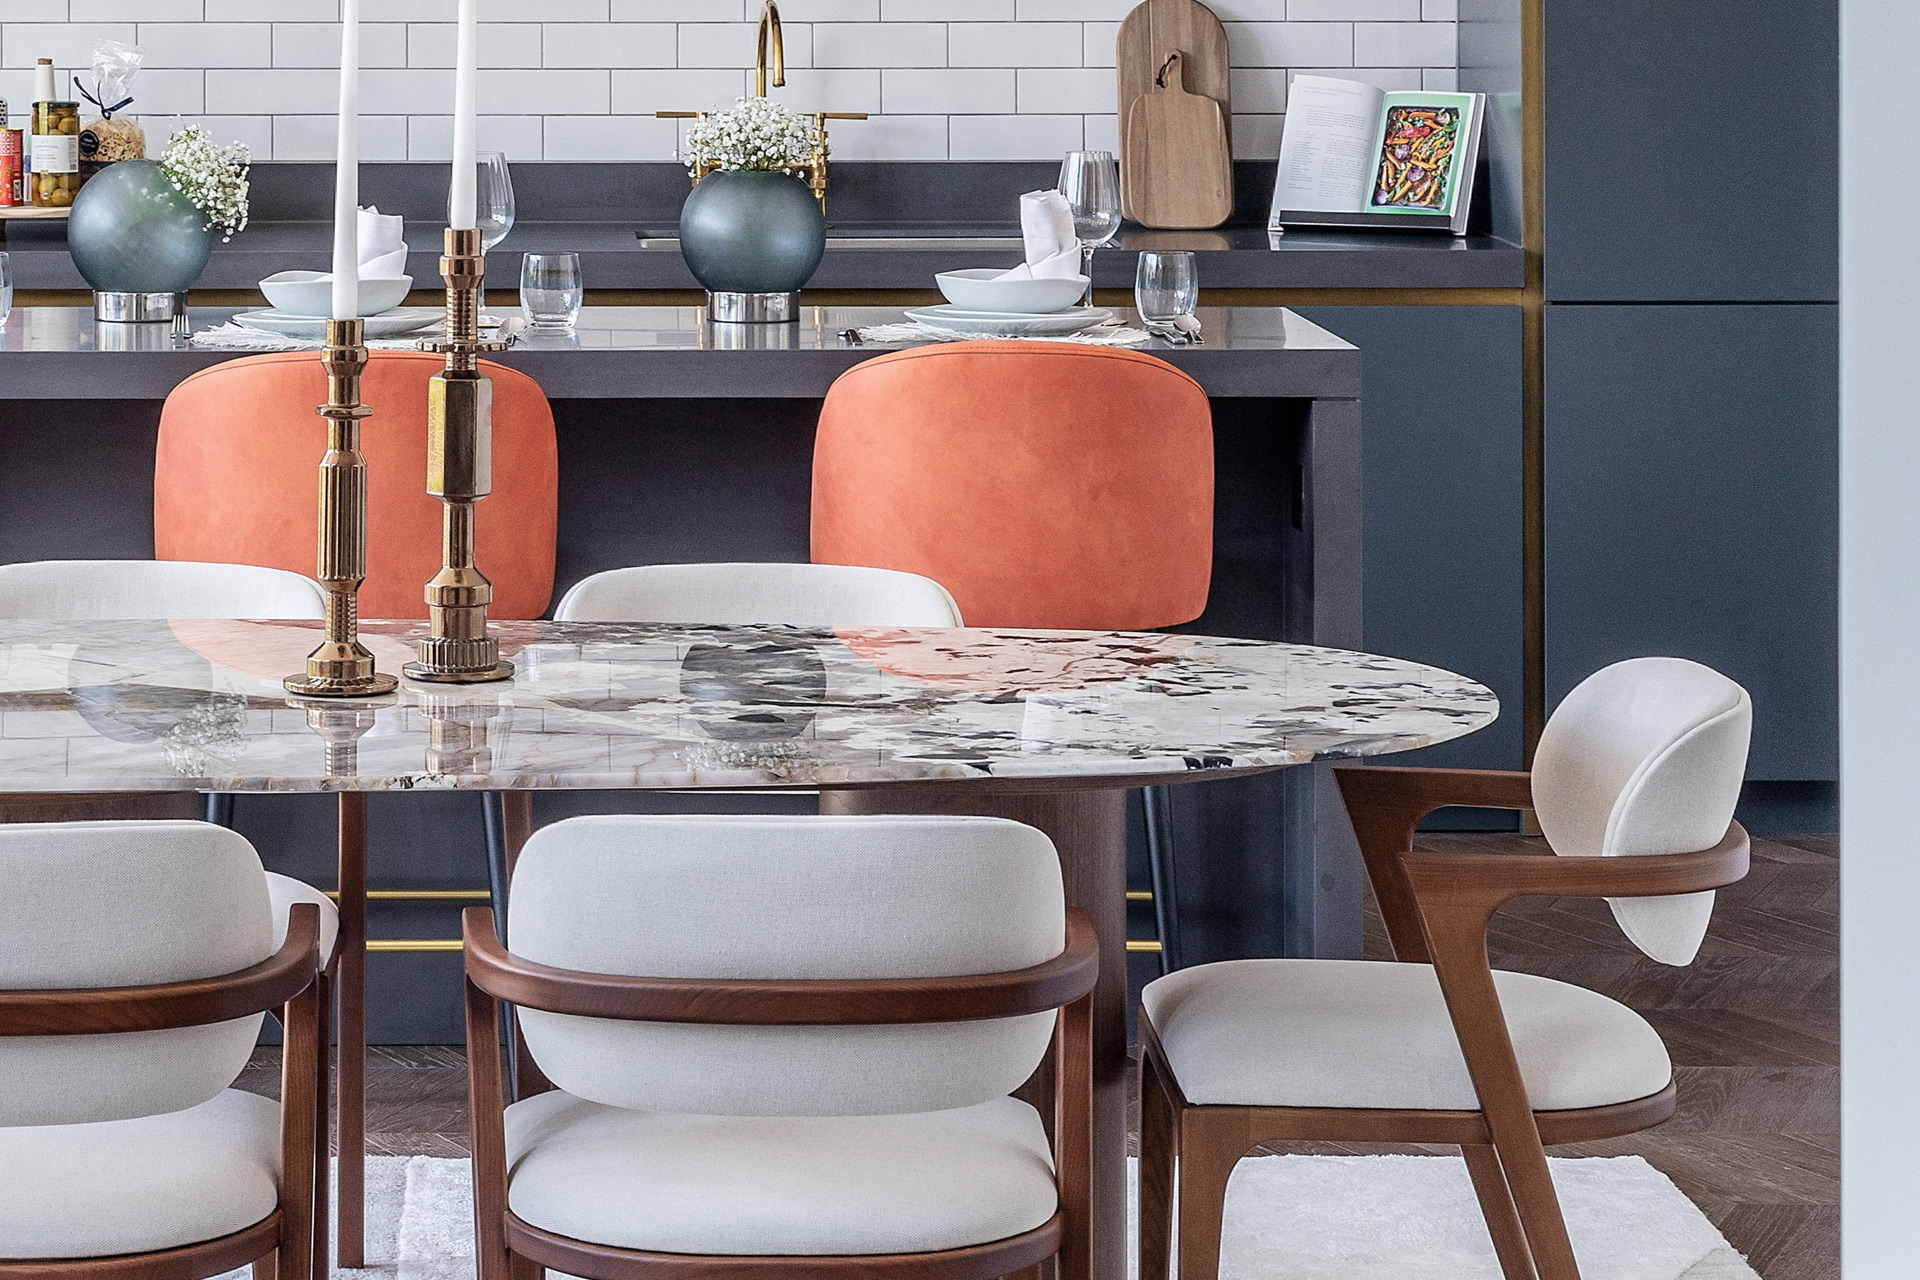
{"x":197,"y":705}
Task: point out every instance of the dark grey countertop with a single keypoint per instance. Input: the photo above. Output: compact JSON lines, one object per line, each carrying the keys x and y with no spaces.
{"x":614,"y":255}
{"x":53,"y":353}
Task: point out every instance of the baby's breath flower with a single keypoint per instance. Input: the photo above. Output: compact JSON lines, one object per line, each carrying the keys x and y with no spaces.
{"x":755,"y":134}
{"x":213,"y":177}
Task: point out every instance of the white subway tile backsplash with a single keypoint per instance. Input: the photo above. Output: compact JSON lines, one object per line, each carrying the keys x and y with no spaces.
{"x":1059,"y":90}
{"x":1013,"y":44}
{"x":608,"y":44}
{"x":255,"y":131}
{"x":931,"y":91}
{"x":880,"y":44}
{"x":1013,"y":137}
{"x":1403,"y":44}
{"x":580,"y":79}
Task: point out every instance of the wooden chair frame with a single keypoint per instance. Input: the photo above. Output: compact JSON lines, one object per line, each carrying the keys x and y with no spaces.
{"x":1436,"y":907}
{"x":510,"y":1249}
{"x":287,"y":984}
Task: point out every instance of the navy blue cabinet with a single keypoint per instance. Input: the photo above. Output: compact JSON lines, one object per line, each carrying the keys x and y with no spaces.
{"x":1692,"y":151}
{"x":1441,"y":523}
{"x":1692,"y":507}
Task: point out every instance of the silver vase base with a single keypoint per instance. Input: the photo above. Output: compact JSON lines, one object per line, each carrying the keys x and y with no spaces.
{"x":753,"y":308}
{"x":117,"y":307}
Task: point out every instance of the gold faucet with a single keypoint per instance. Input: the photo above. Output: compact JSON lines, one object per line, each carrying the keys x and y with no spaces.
{"x":769,"y":26}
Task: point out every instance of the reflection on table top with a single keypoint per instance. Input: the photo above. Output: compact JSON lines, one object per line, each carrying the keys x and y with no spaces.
{"x":96,"y":706}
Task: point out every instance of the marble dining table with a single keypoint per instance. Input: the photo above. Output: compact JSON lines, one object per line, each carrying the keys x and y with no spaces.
{"x":1048,"y":727}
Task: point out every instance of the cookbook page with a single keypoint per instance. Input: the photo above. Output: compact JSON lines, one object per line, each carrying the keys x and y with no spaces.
{"x":1327,"y":145}
{"x":1419,"y":151}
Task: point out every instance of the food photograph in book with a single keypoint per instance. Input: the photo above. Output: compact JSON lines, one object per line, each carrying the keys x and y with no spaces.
{"x":1417,"y":145}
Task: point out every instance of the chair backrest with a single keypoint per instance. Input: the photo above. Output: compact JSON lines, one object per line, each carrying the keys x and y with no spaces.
{"x":108,"y":589}
{"x":111,"y":904}
{"x":1645,"y":757}
{"x":237,"y":466}
{"x":1044,"y":485}
{"x":787,"y":898}
{"x":799,"y":595}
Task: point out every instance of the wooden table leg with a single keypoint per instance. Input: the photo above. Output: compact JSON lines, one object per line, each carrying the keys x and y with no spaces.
{"x":350,"y":1088}
{"x":1089,"y":829}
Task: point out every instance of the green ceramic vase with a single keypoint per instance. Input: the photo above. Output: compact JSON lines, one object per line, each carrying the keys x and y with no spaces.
{"x":751,"y":231}
{"x":131,"y":231}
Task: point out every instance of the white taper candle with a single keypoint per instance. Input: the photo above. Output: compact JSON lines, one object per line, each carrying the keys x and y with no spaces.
{"x":346,"y":177}
{"x":460,"y":199}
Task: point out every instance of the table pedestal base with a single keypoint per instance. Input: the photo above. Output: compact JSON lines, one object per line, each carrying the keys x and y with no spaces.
{"x":1089,"y":829}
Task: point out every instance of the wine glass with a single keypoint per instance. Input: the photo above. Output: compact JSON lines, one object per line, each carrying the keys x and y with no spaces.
{"x":492,"y":204}
{"x":1091,"y":183}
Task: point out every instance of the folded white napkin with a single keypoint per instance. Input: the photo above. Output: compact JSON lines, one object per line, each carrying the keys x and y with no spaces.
{"x":1053,"y":250}
{"x":380,"y":234}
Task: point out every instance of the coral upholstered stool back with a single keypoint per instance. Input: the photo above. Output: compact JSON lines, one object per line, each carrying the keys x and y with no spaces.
{"x":236,"y":478}
{"x":1044,"y":485}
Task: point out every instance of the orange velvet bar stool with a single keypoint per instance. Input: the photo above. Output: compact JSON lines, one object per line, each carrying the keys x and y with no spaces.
{"x":1043,"y":484}
{"x":235,"y":478}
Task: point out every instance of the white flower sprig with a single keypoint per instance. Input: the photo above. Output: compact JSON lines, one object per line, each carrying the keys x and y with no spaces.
{"x":213,"y":177}
{"x":754,"y":134}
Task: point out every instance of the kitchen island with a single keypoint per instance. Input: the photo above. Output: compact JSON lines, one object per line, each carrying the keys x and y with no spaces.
{"x":680,"y":441}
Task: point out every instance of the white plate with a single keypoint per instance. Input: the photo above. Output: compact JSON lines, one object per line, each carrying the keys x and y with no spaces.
{"x":1010,"y":323}
{"x":388,"y":324}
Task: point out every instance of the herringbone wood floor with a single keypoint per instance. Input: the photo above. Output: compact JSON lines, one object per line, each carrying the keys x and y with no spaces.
{"x":1752,"y":1026}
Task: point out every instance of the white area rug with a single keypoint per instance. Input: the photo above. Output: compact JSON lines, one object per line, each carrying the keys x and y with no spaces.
{"x":1288,"y":1218}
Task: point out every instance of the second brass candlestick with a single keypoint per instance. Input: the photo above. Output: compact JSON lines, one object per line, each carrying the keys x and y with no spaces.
{"x":458,"y":648}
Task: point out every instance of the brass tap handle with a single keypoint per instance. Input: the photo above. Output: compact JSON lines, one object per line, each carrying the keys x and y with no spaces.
{"x":678,"y":115}
{"x":839,"y":115}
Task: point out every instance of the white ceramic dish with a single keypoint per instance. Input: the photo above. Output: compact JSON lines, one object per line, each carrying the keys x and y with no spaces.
{"x":310,"y":293}
{"x":990,"y":324}
{"x":976,"y":289}
{"x":388,"y":324}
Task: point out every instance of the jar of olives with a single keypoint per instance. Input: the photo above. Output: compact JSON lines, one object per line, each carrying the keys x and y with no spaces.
{"x":56,"y":152}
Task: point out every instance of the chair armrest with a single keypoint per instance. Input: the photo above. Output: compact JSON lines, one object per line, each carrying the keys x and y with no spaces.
{"x":782,"y":1002}
{"x":161,"y":1006}
{"x":1490,"y":879}
{"x":1421,"y":791}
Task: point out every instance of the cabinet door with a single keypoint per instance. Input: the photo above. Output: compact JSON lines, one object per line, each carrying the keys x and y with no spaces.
{"x":1693,"y":151}
{"x":1692,"y":507}
{"x":1441,"y":518}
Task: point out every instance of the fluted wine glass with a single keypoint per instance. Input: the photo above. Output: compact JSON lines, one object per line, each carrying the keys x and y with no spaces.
{"x":492,"y":204}
{"x":1091,"y":183}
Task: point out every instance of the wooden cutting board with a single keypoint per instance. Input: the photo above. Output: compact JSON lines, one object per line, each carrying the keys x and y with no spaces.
{"x":1149,"y":35}
{"x":1178,"y":168}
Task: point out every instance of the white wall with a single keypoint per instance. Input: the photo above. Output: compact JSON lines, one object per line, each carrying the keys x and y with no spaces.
{"x":580,"y":79}
{"x":1879,"y":641}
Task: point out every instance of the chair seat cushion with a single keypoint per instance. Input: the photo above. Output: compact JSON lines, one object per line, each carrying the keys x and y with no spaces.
{"x":133,"y":1186}
{"x":285,"y":891}
{"x":754,"y":1185}
{"x":1359,"y":1033}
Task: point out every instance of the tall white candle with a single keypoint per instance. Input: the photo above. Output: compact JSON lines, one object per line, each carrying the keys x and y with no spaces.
{"x":346,"y":175}
{"x":460,"y":199}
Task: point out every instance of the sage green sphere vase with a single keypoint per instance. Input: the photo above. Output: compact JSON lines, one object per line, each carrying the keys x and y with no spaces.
{"x":131,"y":231}
{"x":751,"y":231}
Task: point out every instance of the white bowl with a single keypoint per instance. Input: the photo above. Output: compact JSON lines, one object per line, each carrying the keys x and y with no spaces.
{"x":977,"y":290}
{"x":310,"y":293}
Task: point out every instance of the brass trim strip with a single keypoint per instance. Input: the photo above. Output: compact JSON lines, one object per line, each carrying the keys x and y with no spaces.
{"x":1137,"y":947}
{"x":1139,"y":895}
{"x":414,"y":944}
{"x":421,"y":895}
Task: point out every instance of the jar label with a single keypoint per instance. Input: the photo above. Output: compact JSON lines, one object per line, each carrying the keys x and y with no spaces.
{"x":56,"y":153}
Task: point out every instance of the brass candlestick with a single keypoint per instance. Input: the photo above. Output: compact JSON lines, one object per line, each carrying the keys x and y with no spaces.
{"x":342,"y":667}
{"x":458,"y":649}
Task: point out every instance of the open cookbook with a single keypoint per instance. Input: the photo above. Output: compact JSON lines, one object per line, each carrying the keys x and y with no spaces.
{"x":1352,"y":155}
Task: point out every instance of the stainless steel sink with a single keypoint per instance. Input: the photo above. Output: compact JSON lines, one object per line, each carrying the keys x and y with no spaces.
{"x":879,"y":242}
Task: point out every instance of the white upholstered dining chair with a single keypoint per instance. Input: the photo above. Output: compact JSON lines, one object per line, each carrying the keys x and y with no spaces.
{"x":136,"y":962}
{"x":1634,"y":783}
{"x":783,"y":1044}
{"x":108,"y":589}
{"x":801,"y":595}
